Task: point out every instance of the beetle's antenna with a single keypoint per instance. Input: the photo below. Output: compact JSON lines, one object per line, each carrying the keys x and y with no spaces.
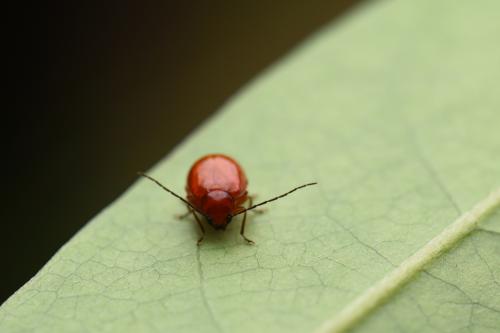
{"x":275,"y":198}
{"x":171,"y":192}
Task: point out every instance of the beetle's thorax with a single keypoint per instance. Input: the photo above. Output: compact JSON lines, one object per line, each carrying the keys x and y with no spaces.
{"x":218,"y":206}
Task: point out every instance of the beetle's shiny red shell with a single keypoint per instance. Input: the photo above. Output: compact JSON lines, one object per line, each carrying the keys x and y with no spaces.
{"x":216,"y":172}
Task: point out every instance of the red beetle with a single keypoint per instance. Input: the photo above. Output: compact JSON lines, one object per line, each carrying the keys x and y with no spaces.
{"x":217,"y":189}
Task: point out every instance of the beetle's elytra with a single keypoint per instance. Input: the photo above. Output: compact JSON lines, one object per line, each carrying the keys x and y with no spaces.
{"x":217,"y":189}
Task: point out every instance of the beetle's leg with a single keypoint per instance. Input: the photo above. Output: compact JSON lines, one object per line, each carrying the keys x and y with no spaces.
{"x":250,"y":204}
{"x":200,"y":225}
{"x":183,"y":216}
{"x":242,"y":230}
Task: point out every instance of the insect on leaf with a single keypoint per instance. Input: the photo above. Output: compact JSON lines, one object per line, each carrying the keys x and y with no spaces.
{"x":394,"y":111}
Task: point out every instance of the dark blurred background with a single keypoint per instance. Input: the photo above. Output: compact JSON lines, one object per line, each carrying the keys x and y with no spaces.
{"x":106,"y":89}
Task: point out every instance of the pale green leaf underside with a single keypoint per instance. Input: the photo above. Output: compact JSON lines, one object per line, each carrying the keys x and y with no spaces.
{"x":395,"y":112}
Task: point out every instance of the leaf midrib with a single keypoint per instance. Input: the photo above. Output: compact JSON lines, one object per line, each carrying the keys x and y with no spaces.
{"x":373,"y":297}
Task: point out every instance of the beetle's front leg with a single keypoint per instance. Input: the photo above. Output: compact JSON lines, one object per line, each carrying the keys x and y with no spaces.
{"x":242,"y":230}
{"x":200,"y":225}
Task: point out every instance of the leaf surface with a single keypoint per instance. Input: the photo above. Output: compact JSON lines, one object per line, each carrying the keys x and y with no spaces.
{"x":395,"y":112}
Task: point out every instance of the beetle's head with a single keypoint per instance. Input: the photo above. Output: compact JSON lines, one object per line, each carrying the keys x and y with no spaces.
{"x":218,"y":206}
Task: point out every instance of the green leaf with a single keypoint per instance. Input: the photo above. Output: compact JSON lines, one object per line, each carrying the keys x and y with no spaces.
{"x":395,"y":112}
